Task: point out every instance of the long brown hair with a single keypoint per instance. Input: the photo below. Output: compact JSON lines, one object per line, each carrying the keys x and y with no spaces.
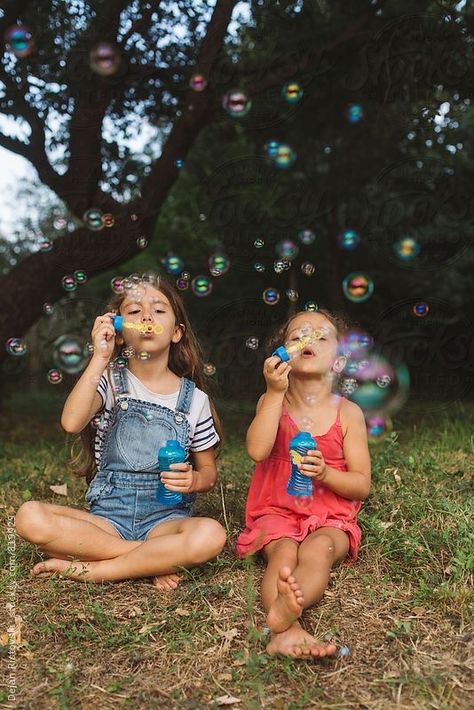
{"x":185,"y":360}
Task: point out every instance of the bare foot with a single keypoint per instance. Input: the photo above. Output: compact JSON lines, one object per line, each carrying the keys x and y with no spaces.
{"x":298,"y":643}
{"x":288,"y":605}
{"x":72,"y":569}
{"x":166,"y":582}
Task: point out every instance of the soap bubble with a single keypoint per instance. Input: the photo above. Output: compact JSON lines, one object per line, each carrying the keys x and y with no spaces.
{"x":348,"y":239}
{"x":292,"y":92}
{"x":271,"y":148}
{"x":182,"y":284}
{"x":383,"y":380}
{"x":306,"y":423}
{"x":271,"y":296}
{"x":355,"y":344}
{"x":143,"y":355}
{"x":287,"y":249}
{"x":70,"y":353}
{"x":237,"y":103}
{"x":307,"y":268}
{"x":105,"y":59}
{"x":128,"y":352}
{"x":407,"y":248}
{"x":348,"y":385}
{"x":357,"y":287}
{"x":179,"y":163}
{"x":378,"y":427}
{"x":209,"y":369}
{"x":55,"y":377}
{"x":311,"y":306}
{"x":258,"y":266}
{"x":59,"y":224}
{"x":284,"y":157}
{"x":116,"y":284}
{"x":46,"y":245}
{"x":19,"y":40}
{"x":354,"y":113}
{"x":259,"y":243}
{"x":16,"y":347}
{"x":93,"y":219}
{"x":69,"y":282}
{"x":173,"y":264}
{"x":108,"y":220}
{"x":421,"y":309}
{"x":306,"y":236}
{"x":48,"y":309}
{"x":121,"y":362}
{"x":80,"y":276}
{"x":201,"y":286}
{"x":279,"y":266}
{"x":186,"y":275}
{"x":219,"y":264}
{"x":292,"y":295}
{"x":198,"y":82}
{"x":142,"y":242}
{"x":252,"y":343}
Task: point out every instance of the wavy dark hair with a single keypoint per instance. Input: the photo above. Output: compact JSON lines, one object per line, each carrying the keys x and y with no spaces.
{"x":185,"y":360}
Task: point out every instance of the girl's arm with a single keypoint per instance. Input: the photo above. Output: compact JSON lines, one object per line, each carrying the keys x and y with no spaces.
{"x":84,"y":400}
{"x":262,"y":431}
{"x":355,"y":482}
{"x":199,"y":478}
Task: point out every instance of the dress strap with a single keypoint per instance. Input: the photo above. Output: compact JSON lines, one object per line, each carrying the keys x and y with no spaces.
{"x":338,"y":415}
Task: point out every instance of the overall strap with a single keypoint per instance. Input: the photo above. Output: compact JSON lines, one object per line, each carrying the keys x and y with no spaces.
{"x":185,"y":396}
{"x":119,"y":381}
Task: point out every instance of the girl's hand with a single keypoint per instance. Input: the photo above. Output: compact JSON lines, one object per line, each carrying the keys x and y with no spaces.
{"x":180,"y":478}
{"x":276,"y":374}
{"x":103,"y":336}
{"x":313,"y":465}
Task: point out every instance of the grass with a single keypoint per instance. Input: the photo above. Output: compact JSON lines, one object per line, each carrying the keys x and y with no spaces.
{"x":403,"y":608}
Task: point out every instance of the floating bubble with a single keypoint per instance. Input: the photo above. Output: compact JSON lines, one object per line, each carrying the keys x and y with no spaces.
{"x":173,"y":264}
{"x":348,"y":385}
{"x":252,"y":343}
{"x":55,"y":377}
{"x":373,"y":398}
{"x":259,"y":243}
{"x":219,"y":264}
{"x":237,"y":103}
{"x":292,"y":295}
{"x":306,"y":423}
{"x":271,"y":148}
{"x":186,"y":275}
{"x":128,"y":352}
{"x":93,"y":219}
{"x":19,"y":40}
{"x":307,"y":268}
{"x":306,"y":236}
{"x":354,"y":113}
{"x":116,"y":284}
{"x":279,"y":266}
{"x":348,"y":239}
{"x":311,"y":306}
{"x":70,"y":354}
{"x":46,"y":245}
{"x":48,"y":309}
{"x":16,"y":347}
{"x":287,"y":249}
{"x":201,"y":286}
{"x":59,"y":224}
{"x":292,"y":92}
{"x":179,"y":163}
{"x":421,"y":309}
{"x":271,"y":296}
{"x":258,"y":266}
{"x":105,"y":59}
{"x":182,"y":284}
{"x":121,"y":362}
{"x":407,"y":248}
{"x":198,"y":82}
{"x":383,"y":380}
{"x":143,"y":355}
{"x":284,"y":156}
{"x":355,"y":344}
{"x":80,"y":276}
{"x":134,"y":217}
{"x":209,"y":369}
{"x":357,"y":287}
{"x":142,"y":242}
{"x":69,"y":282}
{"x":378,"y":427}
{"x":90,"y":348}
{"x":108,"y":220}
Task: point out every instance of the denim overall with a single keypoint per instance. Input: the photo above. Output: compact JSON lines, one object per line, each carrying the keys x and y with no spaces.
{"x":124,"y":490}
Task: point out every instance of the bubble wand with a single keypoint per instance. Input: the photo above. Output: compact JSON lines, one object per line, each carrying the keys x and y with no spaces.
{"x":119,"y":324}
{"x":291,"y":351}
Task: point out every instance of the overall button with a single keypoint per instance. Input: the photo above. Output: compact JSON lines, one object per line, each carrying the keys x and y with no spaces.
{"x":123,"y":405}
{"x":178,"y":418}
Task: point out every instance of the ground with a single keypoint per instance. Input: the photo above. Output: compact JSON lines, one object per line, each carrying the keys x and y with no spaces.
{"x":402,"y":609}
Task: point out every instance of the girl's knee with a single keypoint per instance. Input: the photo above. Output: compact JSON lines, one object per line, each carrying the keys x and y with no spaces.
{"x":206,"y":540}
{"x":320,"y":547}
{"x":283,"y":548}
{"x":31,"y":522}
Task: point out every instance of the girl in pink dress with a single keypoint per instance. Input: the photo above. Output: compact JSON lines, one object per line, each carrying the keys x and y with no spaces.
{"x":302,"y":538}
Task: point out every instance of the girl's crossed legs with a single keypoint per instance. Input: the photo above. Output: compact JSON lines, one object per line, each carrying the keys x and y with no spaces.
{"x":65,"y":533}
{"x":296,"y":577}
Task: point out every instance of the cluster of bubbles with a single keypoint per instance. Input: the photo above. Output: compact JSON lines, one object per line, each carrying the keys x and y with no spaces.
{"x":369,"y":379}
{"x":19,"y":41}
{"x":357,"y":287}
{"x":105,"y":59}
{"x":96,"y":220}
{"x":70,"y":282}
{"x":280,"y":154}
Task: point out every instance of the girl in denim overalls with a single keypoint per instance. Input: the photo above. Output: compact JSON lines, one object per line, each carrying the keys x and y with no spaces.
{"x":127,"y":532}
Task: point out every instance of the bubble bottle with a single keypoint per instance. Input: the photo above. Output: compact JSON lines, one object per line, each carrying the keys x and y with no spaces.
{"x":298,"y":483}
{"x":171,"y":452}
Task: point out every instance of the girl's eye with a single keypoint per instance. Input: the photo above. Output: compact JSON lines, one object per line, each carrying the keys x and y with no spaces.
{"x":130,"y":313}
{"x":158,"y":311}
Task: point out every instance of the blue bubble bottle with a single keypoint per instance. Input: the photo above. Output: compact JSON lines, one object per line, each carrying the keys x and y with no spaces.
{"x":171,"y":452}
{"x":298,"y":483}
